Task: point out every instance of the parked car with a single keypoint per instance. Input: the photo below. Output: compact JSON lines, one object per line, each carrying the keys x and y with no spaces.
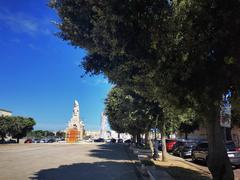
{"x":89,"y":140}
{"x":11,"y":141}
{"x":128,"y":141}
{"x":120,"y":141}
{"x":28,"y":141}
{"x":99,"y":140}
{"x":51,"y":140}
{"x":36,"y":141}
{"x":43,"y":140}
{"x":201,"y":153}
{"x":113,"y":140}
{"x":169,"y":144}
{"x":184,"y":148}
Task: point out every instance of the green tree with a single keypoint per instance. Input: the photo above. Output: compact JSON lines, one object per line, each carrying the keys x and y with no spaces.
{"x":129,"y":112}
{"x":183,"y":54}
{"x":60,"y":134}
{"x":126,"y":112}
{"x":20,"y":126}
{"x":132,"y":113}
{"x":188,"y":127}
{"x":36,"y":134}
{"x":4,"y":126}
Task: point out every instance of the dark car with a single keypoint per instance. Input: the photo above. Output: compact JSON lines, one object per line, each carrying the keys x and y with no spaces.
{"x":128,"y":141}
{"x":120,"y":140}
{"x":11,"y":141}
{"x":51,"y":141}
{"x":28,"y":141}
{"x":99,"y":140}
{"x":113,"y":140}
{"x":201,"y":153}
{"x":184,"y":148}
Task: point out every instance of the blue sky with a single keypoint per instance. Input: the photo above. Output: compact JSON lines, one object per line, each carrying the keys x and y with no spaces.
{"x":39,"y":74}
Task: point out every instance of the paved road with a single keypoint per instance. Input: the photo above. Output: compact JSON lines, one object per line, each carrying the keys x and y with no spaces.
{"x":64,"y":161}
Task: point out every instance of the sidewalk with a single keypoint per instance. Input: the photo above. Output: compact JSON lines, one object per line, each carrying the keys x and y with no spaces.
{"x":181,"y":169}
{"x":153,"y":172}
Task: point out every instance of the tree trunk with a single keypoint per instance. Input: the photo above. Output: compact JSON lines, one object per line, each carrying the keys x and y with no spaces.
{"x":134,"y":139}
{"x":186,"y":135}
{"x":138,"y":139}
{"x":164,"y":148}
{"x":146,"y":139}
{"x":218,"y":161}
{"x":17,"y":140}
{"x":151,"y":145}
{"x":228,"y":134}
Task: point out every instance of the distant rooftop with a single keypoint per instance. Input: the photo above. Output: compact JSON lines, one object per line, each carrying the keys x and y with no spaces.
{"x":5,"y":110}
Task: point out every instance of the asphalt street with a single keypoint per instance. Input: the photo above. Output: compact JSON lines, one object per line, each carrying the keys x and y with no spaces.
{"x":66,"y":162}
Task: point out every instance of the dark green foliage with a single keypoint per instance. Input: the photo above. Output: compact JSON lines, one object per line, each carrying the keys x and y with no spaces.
{"x":182,"y":55}
{"x":20,"y":126}
{"x":60,"y":134}
{"x":188,"y":127}
{"x":4,"y":126}
{"x":15,"y":126}
{"x":129,"y":112}
{"x":43,"y":134}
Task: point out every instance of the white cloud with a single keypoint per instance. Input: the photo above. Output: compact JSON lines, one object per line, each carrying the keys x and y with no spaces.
{"x":19,"y":22}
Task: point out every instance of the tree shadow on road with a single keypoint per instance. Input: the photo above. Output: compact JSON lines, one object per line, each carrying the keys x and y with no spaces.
{"x":89,"y":171}
{"x":112,"y":152}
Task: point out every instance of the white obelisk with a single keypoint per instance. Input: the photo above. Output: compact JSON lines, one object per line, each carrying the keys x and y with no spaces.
{"x":103,"y":133}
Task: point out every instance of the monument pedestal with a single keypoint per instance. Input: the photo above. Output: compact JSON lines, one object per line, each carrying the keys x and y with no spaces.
{"x":72,"y":136}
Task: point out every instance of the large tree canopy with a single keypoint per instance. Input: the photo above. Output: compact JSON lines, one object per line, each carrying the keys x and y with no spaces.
{"x":183,"y":54}
{"x":15,"y":126}
{"x":129,"y":112}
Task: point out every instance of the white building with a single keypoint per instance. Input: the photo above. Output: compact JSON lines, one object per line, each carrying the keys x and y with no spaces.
{"x":4,"y":112}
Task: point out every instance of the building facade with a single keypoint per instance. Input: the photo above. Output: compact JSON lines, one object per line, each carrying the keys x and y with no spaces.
{"x":4,"y":112}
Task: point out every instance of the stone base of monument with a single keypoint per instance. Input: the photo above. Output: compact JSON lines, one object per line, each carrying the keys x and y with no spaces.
{"x":73,"y":136}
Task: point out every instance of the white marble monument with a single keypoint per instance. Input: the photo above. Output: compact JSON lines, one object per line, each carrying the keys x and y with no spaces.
{"x":103,"y":132}
{"x":75,"y":127}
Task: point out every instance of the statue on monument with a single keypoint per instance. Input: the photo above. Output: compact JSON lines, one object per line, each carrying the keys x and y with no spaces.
{"x":76,"y":109}
{"x":75,"y":127}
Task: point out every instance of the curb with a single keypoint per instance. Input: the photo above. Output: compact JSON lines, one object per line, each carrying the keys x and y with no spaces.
{"x":136,"y":161}
{"x":192,"y":164}
{"x":144,"y":170}
{"x":150,"y":174}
